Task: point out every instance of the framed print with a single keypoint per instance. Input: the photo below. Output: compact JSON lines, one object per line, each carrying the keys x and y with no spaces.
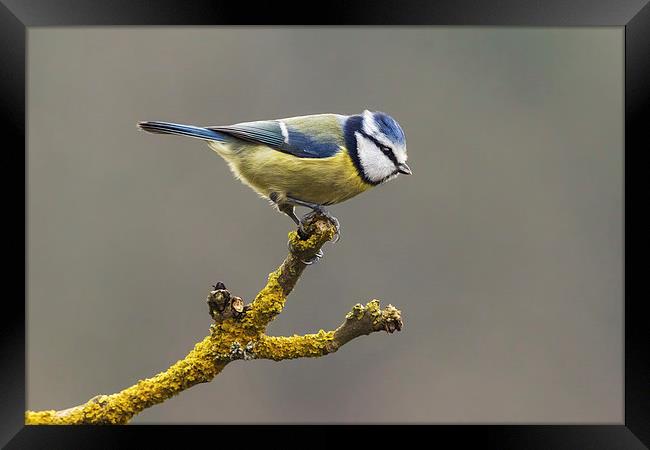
{"x":408,"y":214}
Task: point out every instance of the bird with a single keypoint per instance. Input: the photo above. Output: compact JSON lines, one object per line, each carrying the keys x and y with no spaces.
{"x":313,"y":161}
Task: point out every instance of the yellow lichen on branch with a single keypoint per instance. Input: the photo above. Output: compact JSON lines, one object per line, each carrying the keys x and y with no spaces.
{"x":238,"y":333}
{"x":270,"y":300}
{"x":199,"y":366}
{"x":279,"y":348}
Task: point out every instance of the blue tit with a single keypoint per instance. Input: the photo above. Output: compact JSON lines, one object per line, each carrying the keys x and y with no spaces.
{"x":312,"y":161}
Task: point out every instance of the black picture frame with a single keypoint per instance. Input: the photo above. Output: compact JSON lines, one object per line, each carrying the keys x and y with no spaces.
{"x":17,"y":15}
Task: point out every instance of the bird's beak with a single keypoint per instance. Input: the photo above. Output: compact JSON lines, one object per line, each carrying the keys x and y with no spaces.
{"x":405,"y":169}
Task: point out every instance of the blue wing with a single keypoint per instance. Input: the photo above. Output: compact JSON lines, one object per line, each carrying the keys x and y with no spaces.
{"x":305,"y":137}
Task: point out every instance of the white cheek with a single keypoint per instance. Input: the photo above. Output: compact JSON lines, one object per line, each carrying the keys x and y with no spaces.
{"x":375,"y":164}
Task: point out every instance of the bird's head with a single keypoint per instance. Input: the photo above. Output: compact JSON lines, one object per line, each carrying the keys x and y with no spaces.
{"x":380,"y":147}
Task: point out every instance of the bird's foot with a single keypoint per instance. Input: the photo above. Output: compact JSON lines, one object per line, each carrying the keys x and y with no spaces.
{"x":317,"y":256}
{"x":313,"y":259}
{"x":316,"y":210}
{"x":322,"y":212}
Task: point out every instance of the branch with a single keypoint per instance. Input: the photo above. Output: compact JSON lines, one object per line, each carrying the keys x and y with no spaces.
{"x":270,"y":300}
{"x":199,"y":366}
{"x":362,"y":320}
{"x":236,"y":334}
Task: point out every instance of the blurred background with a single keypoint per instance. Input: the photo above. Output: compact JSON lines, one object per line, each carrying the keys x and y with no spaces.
{"x":503,"y":250}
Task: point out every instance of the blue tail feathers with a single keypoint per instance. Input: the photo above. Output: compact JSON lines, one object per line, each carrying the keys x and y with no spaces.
{"x":182,"y":130}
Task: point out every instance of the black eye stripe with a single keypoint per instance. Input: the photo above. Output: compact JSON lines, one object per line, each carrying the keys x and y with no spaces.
{"x":384,"y":149}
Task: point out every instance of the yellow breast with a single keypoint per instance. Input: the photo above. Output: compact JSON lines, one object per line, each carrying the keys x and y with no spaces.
{"x":324,"y":181}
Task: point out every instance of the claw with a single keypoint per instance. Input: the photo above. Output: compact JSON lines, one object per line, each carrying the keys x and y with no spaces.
{"x":311,"y":261}
{"x":314,"y":259}
{"x":337,"y":226}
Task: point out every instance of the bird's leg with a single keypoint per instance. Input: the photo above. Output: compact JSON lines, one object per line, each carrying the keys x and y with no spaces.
{"x":290,"y":211}
{"x":286,"y":208}
{"x":316,"y":209}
